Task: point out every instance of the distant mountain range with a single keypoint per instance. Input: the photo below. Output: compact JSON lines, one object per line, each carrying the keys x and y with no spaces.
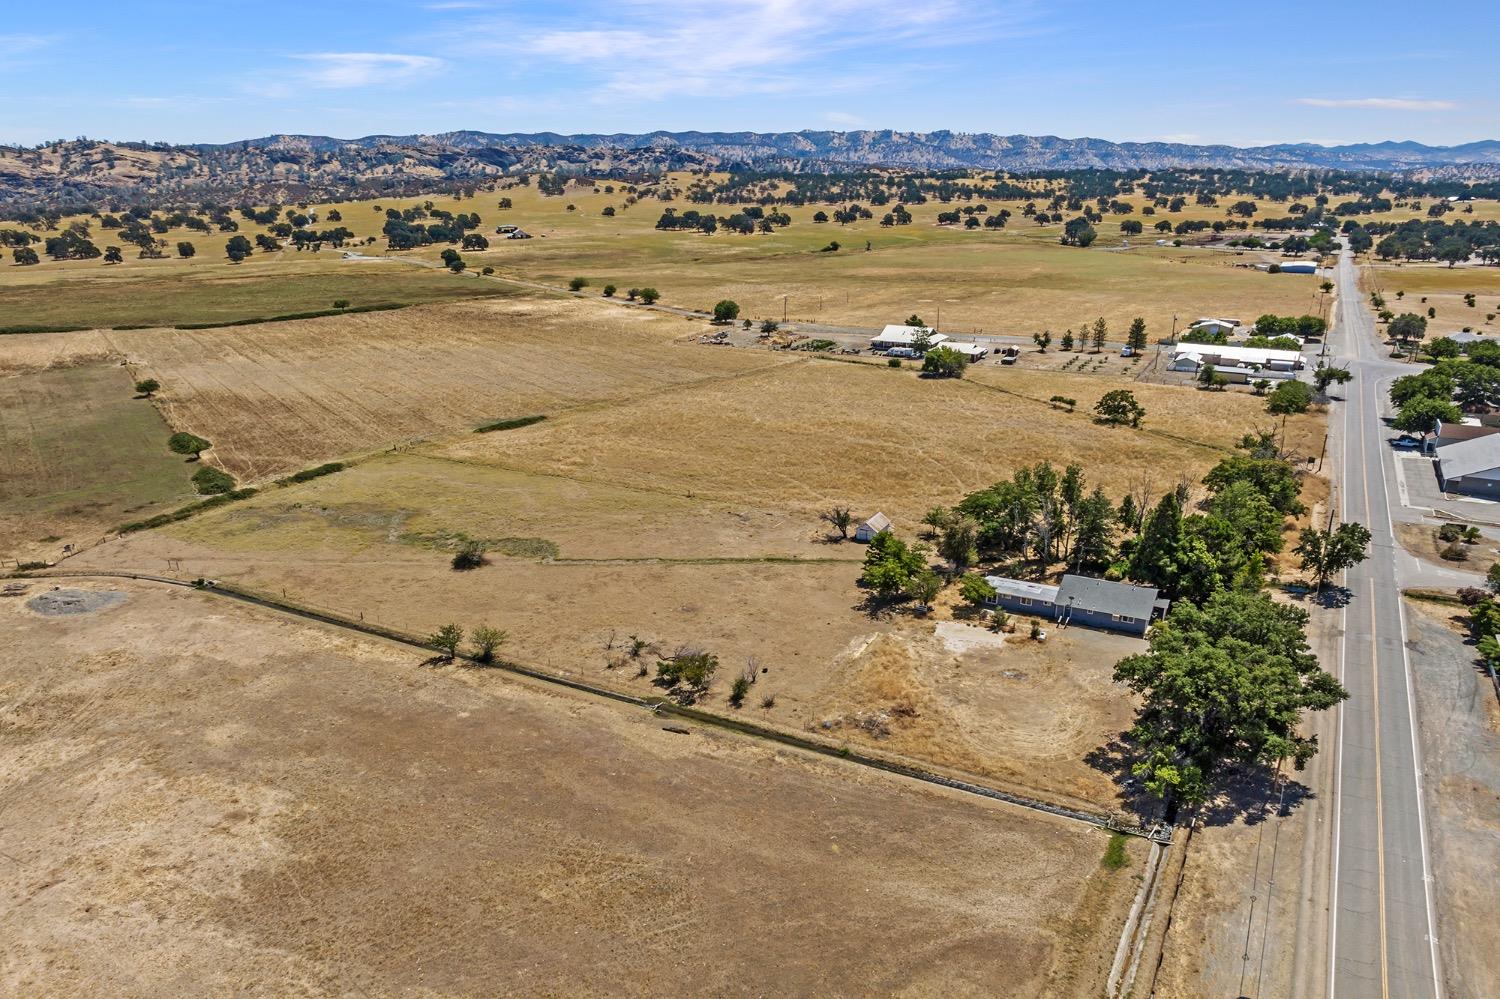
{"x":942,"y":150}
{"x":286,"y":167}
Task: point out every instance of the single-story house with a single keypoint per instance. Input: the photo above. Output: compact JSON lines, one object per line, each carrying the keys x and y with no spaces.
{"x":1471,"y":466}
{"x":1225,"y":326}
{"x":1237,"y":363}
{"x":971,"y":351}
{"x":1087,"y":600}
{"x":903,"y":336}
{"x":873,"y":526}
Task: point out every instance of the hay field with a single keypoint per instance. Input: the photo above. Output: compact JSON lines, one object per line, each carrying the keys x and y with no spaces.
{"x":208,"y":805}
{"x":78,"y":454}
{"x":803,"y":436}
{"x":280,"y":396}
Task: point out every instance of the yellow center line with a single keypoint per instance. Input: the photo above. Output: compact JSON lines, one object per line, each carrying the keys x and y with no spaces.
{"x":1385,"y":984}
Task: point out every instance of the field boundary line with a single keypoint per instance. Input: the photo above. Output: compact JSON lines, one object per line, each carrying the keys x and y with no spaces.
{"x":657,"y":705}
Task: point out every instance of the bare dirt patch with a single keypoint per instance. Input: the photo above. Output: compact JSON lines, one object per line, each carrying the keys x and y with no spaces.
{"x":71,"y":602}
{"x":210,"y":797}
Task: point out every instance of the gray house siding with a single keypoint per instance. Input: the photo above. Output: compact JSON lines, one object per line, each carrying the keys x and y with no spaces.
{"x":1024,"y":605}
{"x":1108,"y":622}
{"x":1472,"y":485}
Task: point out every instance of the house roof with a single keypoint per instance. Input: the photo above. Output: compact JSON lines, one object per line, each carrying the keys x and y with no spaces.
{"x":1022,"y":588}
{"x":1102,"y":596}
{"x":1239,"y":355}
{"x":1482,"y":454}
{"x":904,"y":335}
{"x":1452,"y":433}
{"x":968,"y":349}
{"x":879,"y":522}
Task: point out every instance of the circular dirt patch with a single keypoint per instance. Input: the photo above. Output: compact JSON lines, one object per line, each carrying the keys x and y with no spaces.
{"x":59,"y":603}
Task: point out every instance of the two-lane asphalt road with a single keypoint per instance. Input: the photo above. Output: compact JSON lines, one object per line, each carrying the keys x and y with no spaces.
{"x":1383,"y":931}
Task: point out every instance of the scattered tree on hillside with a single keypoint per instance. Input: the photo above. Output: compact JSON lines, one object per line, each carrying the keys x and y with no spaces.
{"x":649,"y":295}
{"x":1098,"y":333}
{"x":446,"y":640}
{"x":186,"y":249}
{"x":890,"y":564}
{"x":839,"y":518}
{"x":1119,"y":407}
{"x":147,"y":387}
{"x":112,"y":255}
{"x":726,"y":311}
{"x":578,"y":284}
{"x":186,"y":443}
{"x":25,"y":256}
{"x":1042,"y":340}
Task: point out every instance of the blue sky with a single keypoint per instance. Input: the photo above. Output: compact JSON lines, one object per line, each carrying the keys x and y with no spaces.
{"x":1272,"y":71}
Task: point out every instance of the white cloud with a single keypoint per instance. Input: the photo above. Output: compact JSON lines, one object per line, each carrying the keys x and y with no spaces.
{"x":1378,"y":103}
{"x":339,"y":70}
{"x":843,"y":119}
{"x":16,"y":44}
{"x":655,"y":49}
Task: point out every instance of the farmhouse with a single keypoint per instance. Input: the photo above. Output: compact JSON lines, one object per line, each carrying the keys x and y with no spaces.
{"x":873,"y":526}
{"x":903,"y":336}
{"x":1471,"y":466}
{"x":1237,"y":363}
{"x":1098,"y":603}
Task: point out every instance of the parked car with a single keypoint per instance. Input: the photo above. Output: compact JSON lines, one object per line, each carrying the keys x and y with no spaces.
{"x":1407,"y":441}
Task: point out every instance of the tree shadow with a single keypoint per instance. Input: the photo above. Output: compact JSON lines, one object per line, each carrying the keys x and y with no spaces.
{"x":1247,"y":794}
{"x":1252,"y":795}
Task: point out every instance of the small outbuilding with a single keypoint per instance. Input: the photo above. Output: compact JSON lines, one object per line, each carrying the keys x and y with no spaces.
{"x":971,"y":351}
{"x":867,"y":531}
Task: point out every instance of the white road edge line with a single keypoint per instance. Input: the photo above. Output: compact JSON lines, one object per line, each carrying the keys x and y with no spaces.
{"x":1338,"y":774}
{"x":1416,"y":760}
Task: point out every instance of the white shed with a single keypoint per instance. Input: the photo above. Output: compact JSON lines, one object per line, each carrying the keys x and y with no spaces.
{"x":873,"y":526}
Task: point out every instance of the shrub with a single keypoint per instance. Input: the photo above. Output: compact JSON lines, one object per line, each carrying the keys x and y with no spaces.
{"x":211,"y":482}
{"x":486,"y":640}
{"x":511,"y":424}
{"x":470,"y":555}
{"x":1114,"y":854}
{"x":738,"y":690}
{"x":487,"y":271}
{"x":308,"y":474}
{"x":692,"y":668}
{"x":578,"y":284}
{"x":186,"y":443}
{"x":649,"y":295}
{"x":1454,"y":553}
{"x":609,"y":291}
{"x":148,"y":387}
{"x":768,"y":702}
{"x":726,"y":311}
{"x":893,"y":362}
{"x":1472,"y":596}
{"x":1451,"y":532}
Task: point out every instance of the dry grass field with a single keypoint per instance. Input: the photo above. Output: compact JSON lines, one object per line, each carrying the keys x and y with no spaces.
{"x":278,"y":396}
{"x":1013,"y":281}
{"x":210,"y":798}
{"x":212,"y":290}
{"x":803,"y":436}
{"x":78,"y":454}
{"x":1442,"y":289}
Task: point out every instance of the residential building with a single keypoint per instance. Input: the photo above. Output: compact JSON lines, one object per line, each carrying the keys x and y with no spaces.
{"x":903,"y":336}
{"x":1086,"y":600}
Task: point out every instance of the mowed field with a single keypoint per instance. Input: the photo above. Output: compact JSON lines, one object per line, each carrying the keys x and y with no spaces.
{"x":279,"y":396}
{"x":213,"y":798}
{"x":1014,"y":281}
{"x":78,"y":454}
